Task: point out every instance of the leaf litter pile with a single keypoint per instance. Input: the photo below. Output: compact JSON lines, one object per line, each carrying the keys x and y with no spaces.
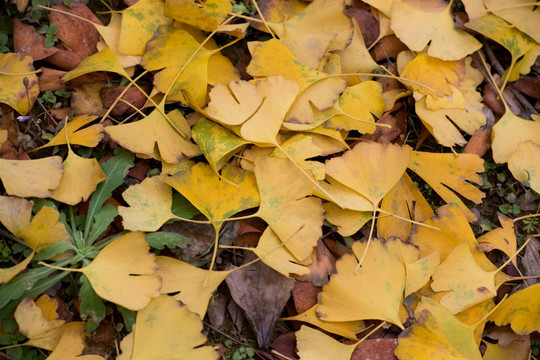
{"x":310,"y":175}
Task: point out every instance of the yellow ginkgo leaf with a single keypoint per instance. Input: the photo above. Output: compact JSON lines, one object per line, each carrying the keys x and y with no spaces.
{"x":521,"y":310}
{"x":217,"y":143}
{"x":363,"y":101}
{"x":206,"y":17}
{"x":404,"y":200}
{"x":14,"y":69}
{"x":6,"y":274}
{"x":348,"y":329}
{"x":80,"y":179}
{"x":447,"y":172}
{"x":317,"y":89}
{"x":524,"y":163}
{"x":375,"y":291}
{"x":420,"y":271}
{"x":111,"y":37}
{"x":31,"y":178}
{"x":295,"y":218}
{"x":347,"y":221}
{"x":322,"y":26}
{"x":467,"y":282}
{"x":149,"y":203}
{"x":124,"y":272}
{"x":344,"y":196}
{"x":49,"y":306}
{"x":370,"y":168}
{"x":3,"y":136}
{"x":170,"y":49}
{"x":139,"y":23}
{"x":314,"y":345}
{"x":89,"y":136}
{"x":508,"y":132}
{"x":32,"y":323}
{"x":235,"y":103}
{"x":356,"y":57}
{"x":438,"y":74}
{"x":437,"y":334}
{"x":519,"y":348}
{"x":520,"y":13}
{"x":216,"y":197}
{"x":165,"y":329}
{"x":272,"y":252}
{"x":523,"y":49}
{"x":196,"y":285}
{"x":71,"y":345}
{"x":105,"y":60}
{"x":155,"y":132}
{"x":446,"y":41}
{"x":503,"y":238}
{"x":40,"y":232}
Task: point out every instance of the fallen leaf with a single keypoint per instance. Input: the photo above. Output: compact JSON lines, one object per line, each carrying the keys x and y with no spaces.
{"x":355,"y":57}
{"x":39,"y":233}
{"x":206,"y":17}
{"x":523,"y":164}
{"x":521,"y":310}
{"x":503,"y":238}
{"x":14,"y":68}
{"x":28,"y":42}
{"x":522,"y":15}
{"x":105,"y":60}
{"x":86,"y":100}
{"x":313,"y":345}
{"x":517,"y":349}
{"x":89,"y":136}
{"x":31,"y":320}
{"x":508,"y":132}
{"x":446,"y":41}
{"x":196,"y":286}
{"x":6,"y":274}
{"x":259,"y":287}
{"x":420,"y":271}
{"x":71,"y":345}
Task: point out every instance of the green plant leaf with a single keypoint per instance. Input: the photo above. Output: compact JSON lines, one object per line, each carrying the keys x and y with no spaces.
{"x":92,"y":306}
{"x":158,"y":240}
{"x":102,"y":220}
{"x":181,"y":207}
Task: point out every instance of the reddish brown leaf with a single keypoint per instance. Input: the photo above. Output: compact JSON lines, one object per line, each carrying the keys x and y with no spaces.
{"x":51,"y":79}
{"x":304,"y":295}
{"x":388,"y":47}
{"x":375,"y":349}
{"x":133,"y":96}
{"x":27,"y":41}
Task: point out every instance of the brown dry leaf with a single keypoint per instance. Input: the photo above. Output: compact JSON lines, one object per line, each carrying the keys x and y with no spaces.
{"x":86,"y":100}
{"x":28,"y":42}
{"x":259,"y":287}
{"x":39,"y":233}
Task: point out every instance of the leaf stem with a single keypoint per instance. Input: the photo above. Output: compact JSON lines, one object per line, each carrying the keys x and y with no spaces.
{"x":369,"y":239}
{"x":263,"y":19}
{"x":59,"y":268}
{"x":525,"y":217}
{"x":513,"y":255}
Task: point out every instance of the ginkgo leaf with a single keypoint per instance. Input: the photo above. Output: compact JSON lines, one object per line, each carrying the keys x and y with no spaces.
{"x":31,"y":320}
{"x":217,"y":197}
{"x":317,"y":89}
{"x":6,"y":274}
{"x":149,"y":203}
{"x":206,"y":17}
{"x":217,"y":143}
{"x":195,"y":285}
{"x":124,"y":272}
{"x":404,"y":200}
{"x":105,"y":60}
{"x":295,"y":218}
{"x":14,"y":68}
{"x":364,"y":101}
{"x":155,"y":131}
{"x":322,"y":26}
{"x":420,"y":271}
{"x":446,"y":41}
{"x":523,"y":49}
{"x":80,"y":179}
{"x":272,"y":252}
{"x":314,"y":345}
{"x":370,"y":168}
{"x":467,"y":282}
{"x":39,"y":233}
{"x":439,"y":75}
{"x":356,"y":57}
{"x":3,"y":136}
{"x":261,"y":109}
{"x":347,"y":221}
{"x":502,"y":238}
{"x":71,"y":345}
{"x":519,"y":348}
{"x":301,"y":147}
{"x":524,"y":163}
{"x":139,"y":23}
{"x":170,"y":49}
{"x":521,"y":310}
{"x":508,"y":132}
{"x":520,"y":13}
{"x":375,"y":291}
{"x":348,"y":329}
{"x":344,"y":196}
{"x":165,"y":329}
{"x":31,"y":178}
{"x":437,"y":334}
{"x":89,"y":136}
{"x":111,"y":36}
{"x":449,"y":174}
